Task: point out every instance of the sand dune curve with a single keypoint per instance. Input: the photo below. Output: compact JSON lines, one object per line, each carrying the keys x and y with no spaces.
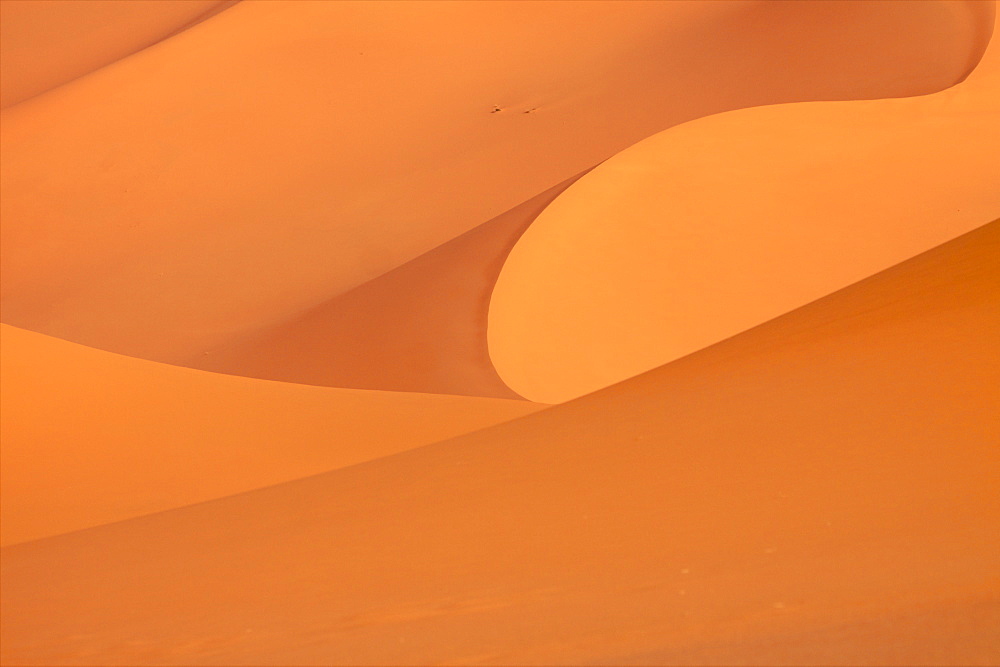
{"x":817,"y":489}
{"x":91,"y":437}
{"x":784,"y":460}
{"x":45,"y":44}
{"x":420,"y":327}
{"x":194,"y":193}
{"x":709,"y":228}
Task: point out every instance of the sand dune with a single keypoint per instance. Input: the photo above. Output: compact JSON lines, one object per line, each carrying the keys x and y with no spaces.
{"x":46,"y":44}
{"x":700,"y":232}
{"x":258,"y":165}
{"x":774,"y":329}
{"x":818,"y":490}
{"x":91,"y":437}
{"x":421,"y":327}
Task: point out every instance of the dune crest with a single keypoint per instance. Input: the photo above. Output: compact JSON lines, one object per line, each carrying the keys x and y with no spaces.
{"x":818,"y":490}
{"x":190,"y":195}
{"x":709,"y":228}
{"x":420,"y":327}
{"x":505,"y":332}
{"x":46,"y":44}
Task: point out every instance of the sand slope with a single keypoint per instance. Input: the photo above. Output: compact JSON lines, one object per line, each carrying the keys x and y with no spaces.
{"x":266,"y":161}
{"x":91,"y":437}
{"x":818,"y":490}
{"x":707,"y":229}
{"x":45,"y":44}
{"x":421,"y":327}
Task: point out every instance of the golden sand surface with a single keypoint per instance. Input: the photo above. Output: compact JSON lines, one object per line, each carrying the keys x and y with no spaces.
{"x":803,"y":493}
{"x":497,"y":332}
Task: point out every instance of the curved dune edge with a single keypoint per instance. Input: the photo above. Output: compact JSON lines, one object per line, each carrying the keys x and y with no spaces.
{"x":421,"y":327}
{"x":190,"y":195}
{"x":707,"y":229}
{"x":91,"y":437}
{"x":46,"y":44}
{"x":820,"y":489}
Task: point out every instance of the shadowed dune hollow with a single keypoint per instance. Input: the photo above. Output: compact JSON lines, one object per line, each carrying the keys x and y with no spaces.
{"x":555,"y":332}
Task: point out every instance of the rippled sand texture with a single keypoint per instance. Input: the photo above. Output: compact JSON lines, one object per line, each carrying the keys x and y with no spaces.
{"x":623,"y":333}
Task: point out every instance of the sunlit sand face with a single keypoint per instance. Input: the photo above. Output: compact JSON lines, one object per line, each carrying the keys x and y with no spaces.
{"x":706,"y":230}
{"x":499,"y":332}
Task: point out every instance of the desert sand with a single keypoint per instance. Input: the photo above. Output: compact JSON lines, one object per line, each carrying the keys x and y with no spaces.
{"x":804,"y":493}
{"x":622,"y":333}
{"x":420,"y":327}
{"x":269,"y":159}
{"x":91,"y":437}
{"x":46,"y":44}
{"x":817,"y":196}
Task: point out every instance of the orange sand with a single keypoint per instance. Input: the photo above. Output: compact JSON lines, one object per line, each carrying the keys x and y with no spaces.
{"x":421,"y":327}
{"x":279,"y":154}
{"x":91,"y":437}
{"x":432,"y":208}
{"x":46,"y":44}
{"x":707,"y":229}
{"x":818,"y":490}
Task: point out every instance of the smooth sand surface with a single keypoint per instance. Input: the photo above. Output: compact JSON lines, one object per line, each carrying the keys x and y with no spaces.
{"x":277,"y":155}
{"x":209,"y":206}
{"x":91,"y":437}
{"x":421,"y":327}
{"x":704,"y":230}
{"x":46,"y":44}
{"x":818,"y":490}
